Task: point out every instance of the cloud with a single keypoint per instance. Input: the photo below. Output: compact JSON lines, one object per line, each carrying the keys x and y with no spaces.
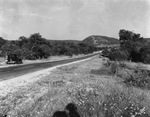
{"x":131,"y":15}
{"x":76,"y":19}
{"x":37,"y":15}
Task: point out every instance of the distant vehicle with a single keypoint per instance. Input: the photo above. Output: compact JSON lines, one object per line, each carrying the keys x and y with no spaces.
{"x":13,"y":59}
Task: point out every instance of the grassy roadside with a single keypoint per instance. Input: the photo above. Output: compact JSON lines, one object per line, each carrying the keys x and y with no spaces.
{"x":96,"y":95}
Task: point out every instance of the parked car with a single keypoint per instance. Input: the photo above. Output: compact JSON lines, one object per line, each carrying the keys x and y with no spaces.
{"x":13,"y":59}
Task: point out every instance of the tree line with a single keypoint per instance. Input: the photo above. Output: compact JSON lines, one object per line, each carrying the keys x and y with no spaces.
{"x":133,"y":47}
{"x":37,"y":47}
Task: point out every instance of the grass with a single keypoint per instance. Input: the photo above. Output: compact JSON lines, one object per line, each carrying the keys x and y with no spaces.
{"x":136,"y":76}
{"x":139,"y":78}
{"x":132,"y":75}
{"x":115,"y":104}
{"x":96,"y":94}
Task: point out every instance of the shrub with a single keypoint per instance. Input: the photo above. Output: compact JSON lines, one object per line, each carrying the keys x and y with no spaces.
{"x":145,"y":54}
{"x":113,"y":68}
{"x":118,"y":55}
{"x":105,"y":52}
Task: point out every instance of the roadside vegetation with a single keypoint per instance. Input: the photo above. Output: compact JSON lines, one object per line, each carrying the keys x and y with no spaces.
{"x":36,"y":47}
{"x":133,"y":48}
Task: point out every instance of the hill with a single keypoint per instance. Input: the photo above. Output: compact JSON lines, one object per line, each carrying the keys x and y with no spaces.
{"x":98,"y":40}
{"x":66,"y":41}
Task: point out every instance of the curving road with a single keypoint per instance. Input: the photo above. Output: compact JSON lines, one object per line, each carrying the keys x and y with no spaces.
{"x":14,"y":71}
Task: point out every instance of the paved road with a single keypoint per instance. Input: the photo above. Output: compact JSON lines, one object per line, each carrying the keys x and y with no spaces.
{"x":14,"y":71}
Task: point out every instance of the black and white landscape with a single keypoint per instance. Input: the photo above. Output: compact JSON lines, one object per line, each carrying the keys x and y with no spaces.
{"x":74,"y":58}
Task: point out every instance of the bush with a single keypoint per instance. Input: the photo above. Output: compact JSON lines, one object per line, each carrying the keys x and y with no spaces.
{"x":113,"y":68}
{"x":118,"y":55}
{"x":105,"y":52}
{"x":145,"y":54}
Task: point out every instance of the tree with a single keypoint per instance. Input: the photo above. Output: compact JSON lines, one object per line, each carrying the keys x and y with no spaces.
{"x":11,"y":48}
{"x":41,"y":51}
{"x":28,"y":54}
{"x":118,"y":55}
{"x":126,"y":35}
{"x":22,"y":41}
{"x":145,"y":53}
{"x":36,"y":38}
{"x":128,"y":38}
{"x":132,"y":43}
{"x":37,"y":47}
{"x":2,"y":42}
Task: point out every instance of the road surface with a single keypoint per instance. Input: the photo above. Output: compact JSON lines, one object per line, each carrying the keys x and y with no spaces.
{"x":15,"y":71}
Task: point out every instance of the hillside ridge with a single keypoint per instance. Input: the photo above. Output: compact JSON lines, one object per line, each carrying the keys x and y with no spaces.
{"x":98,"y":40}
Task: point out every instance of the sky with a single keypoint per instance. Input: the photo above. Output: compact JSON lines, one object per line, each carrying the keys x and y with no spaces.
{"x":73,"y":19}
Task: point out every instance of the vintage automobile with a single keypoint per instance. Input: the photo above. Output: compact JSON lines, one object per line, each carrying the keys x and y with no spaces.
{"x":13,"y":59}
